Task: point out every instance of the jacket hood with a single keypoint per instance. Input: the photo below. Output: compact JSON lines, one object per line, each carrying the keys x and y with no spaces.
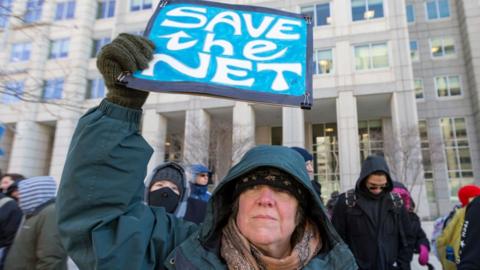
{"x":373,"y":164}
{"x":34,"y":192}
{"x":291,"y":162}
{"x":181,"y":207}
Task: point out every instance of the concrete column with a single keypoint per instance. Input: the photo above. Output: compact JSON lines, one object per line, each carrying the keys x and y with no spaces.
{"x":154,"y":130}
{"x":293,"y":130}
{"x":348,"y":144}
{"x":406,"y":163}
{"x":243,"y":130}
{"x":6,"y":147}
{"x":439,"y":166}
{"x":197,"y":137}
{"x":31,"y":149}
{"x":63,"y":136}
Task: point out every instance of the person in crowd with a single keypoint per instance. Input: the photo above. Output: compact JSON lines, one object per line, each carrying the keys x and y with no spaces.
{"x":449,"y":241}
{"x":37,"y":244}
{"x":257,"y":217}
{"x":470,"y":248}
{"x":9,"y":184}
{"x":199,"y":182}
{"x":10,"y":218}
{"x":421,"y":244}
{"x":331,"y":202}
{"x":372,"y":220}
{"x":309,"y":166}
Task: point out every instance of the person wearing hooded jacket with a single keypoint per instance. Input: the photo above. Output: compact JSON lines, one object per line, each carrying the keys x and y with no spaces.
{"x":422,"y":244}
{"x":37,"y":244}
{"x":469,"y":248}
{"x":166,"y":187}
{"x":257,"y":217}
{"x":376,"y":230}
{"x":10,"y":218}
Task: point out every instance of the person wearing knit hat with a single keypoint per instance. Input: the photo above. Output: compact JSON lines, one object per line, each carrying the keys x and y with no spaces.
{"x":468,"y":193}
{"x":309,"y":166}
{"x":166,"y":187}
{"x":37,"y":201}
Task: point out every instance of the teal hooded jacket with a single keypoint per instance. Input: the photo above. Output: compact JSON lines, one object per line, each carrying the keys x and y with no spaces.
{"x":105,"y":224}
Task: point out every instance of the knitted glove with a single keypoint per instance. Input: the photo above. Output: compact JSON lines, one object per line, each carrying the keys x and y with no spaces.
{"x":423,"y":255}
{"x":126,"y":53}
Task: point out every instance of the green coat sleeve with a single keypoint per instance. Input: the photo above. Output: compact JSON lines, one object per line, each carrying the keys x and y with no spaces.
{"x":103,"y":221}
{"x":49,"y":250}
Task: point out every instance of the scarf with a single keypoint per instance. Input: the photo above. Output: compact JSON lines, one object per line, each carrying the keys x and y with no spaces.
{"x":240,"y":254}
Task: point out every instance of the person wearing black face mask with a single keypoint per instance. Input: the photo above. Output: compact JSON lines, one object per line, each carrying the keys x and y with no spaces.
{"x":166,"y":188}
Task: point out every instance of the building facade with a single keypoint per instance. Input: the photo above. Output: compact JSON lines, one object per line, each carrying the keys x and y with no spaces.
{"x":398,"y":78}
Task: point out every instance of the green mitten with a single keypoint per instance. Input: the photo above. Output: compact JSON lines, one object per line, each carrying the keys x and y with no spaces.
{"x":125,"y":53}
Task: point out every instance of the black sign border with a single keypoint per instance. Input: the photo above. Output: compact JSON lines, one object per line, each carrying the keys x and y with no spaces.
{"x":214,"y":90}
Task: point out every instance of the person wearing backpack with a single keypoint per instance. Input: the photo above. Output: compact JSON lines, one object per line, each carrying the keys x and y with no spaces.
{"x":470,"y":249}
{"x":449,"y":241}
{"x":372,"y":220}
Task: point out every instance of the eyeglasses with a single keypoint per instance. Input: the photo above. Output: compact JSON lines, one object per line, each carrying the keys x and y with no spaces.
{"x":377,"y":187}
{"x":203,"y":174}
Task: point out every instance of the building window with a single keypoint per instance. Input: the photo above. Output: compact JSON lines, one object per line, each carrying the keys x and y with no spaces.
{"x":33,"y":13}
{"x":419,"y":89}
{"x":6,"y":10}
{"x":20,"y":52}
{"x":95,"y":89}
{"x":410,"y":13}
{"x":65,"y":10}
{"x":414,"y":55}
{"x":371,"y":138}
{"x":448,"y":86}
{"x":437,"y":9}
{"x":136,"y":5}
{"x":105,"y":9}
{"x":325,"y":157}
{"x":323,"y":61}
{"x":53,"y":89}
{"x":426,"y":161}
{"x":457,"y":153}
{"x":442,"y":47}
{"x":371,"y":56}
{"x":320,"y":14}
{"x":12,"y":92}
{"x":59,"y":48}
{"x":367,"y":9}
{"x":98,"y":44}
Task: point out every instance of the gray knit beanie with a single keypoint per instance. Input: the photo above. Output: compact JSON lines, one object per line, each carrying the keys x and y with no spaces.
{"x":169,"y":174}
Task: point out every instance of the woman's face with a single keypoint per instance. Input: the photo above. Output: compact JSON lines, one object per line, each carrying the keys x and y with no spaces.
{"x":266,"y":217}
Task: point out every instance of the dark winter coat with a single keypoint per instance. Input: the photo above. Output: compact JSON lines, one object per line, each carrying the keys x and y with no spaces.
{"x":376,"y":231}
{"x":10,"y":218}
{"x":108,"y":226}
{"x":418,"y":233}
{"x":37,"y":245}
{"x":469,"y":247}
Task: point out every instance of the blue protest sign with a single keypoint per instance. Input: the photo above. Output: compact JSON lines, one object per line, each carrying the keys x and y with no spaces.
{"x":233,"y":51}
{"x":2,"y":131}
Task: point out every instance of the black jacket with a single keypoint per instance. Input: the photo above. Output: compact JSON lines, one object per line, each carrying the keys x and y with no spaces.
{"x":469,"y":247}
{"x":418,"y":232}
{"x":377,"y":231}
{"x":10,"y":218}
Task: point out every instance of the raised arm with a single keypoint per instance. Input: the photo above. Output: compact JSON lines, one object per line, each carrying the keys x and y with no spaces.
{"x":103,"y":221}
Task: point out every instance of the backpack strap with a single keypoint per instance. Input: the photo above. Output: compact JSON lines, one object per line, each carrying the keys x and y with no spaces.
{"x":350,"y":198}
{"x":397,"y":200}
{"x":397,"y":205}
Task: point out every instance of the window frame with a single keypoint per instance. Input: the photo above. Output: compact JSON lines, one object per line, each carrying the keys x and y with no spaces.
{"x":33,"y":15}
{"x":141,"y":7}
{"x":93,"y":87}
{"x":22,"y":51}
{"x":448,"y":87}
{"x":417,"y":59}
{"x":97,"y":44}
{"x":61,"y":54}
{"x":9,"y":99}
{"x":56,"y":82}
{"x":438,"y":11}
{"x":314,"y":6}
{"x":415,"y":89}
{"x":365,"y":11}
{"x":103,"y":14}
{"x":316,"y":69}
{"x":413,"y":12}
{"x":444,"y":56}
{"x":6,"y":12}
{"x":371,"y":68}
{"x":65,"y":10}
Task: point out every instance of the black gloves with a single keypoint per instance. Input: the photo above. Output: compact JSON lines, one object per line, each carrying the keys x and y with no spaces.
{"x":126,"y":53}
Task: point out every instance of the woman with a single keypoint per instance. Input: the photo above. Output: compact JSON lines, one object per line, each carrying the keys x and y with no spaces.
{"x":263,"y":215}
